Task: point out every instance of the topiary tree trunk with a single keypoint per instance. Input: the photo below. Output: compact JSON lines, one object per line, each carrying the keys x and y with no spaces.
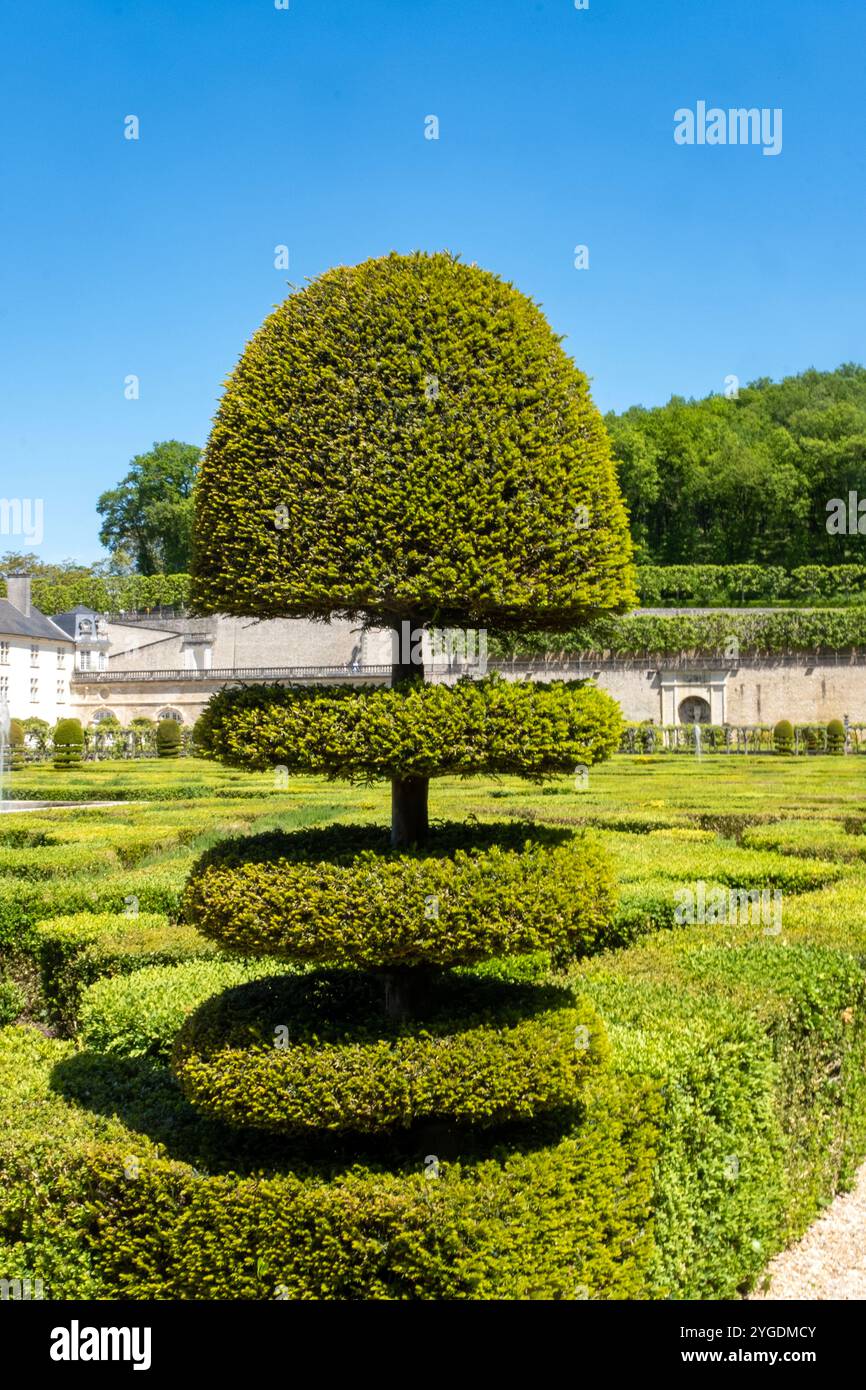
{"x":405,"y":505}
{"x":410,"y":819}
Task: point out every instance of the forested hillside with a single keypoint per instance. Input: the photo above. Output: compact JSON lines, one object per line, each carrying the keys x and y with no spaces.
{"x":722,"y":481}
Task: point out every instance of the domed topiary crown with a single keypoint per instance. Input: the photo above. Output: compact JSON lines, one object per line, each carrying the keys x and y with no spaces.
{"x":408,"y":437}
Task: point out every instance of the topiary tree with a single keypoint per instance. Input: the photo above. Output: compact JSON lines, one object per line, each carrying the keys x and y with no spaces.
{"x":68,"y":743}
{"x":168,"y":737}
{"x":783,"y":736}
{"x":835,"y":736}
{"x":17,"y":745}
{"x":406,"y":443}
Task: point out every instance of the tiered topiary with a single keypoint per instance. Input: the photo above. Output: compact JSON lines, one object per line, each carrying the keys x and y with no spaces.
{"x":17,"y":745}
{"x":68,"y":743}
{"x":405,"y":443}
{"x":168,"y":738}
{"x":783,"y":736}
{"x":836,"y":736}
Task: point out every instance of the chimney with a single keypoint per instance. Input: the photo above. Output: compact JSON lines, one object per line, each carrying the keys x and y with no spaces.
{"x":18,"y":591}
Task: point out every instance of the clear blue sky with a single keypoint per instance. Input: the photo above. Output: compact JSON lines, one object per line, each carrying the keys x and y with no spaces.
{"x":306,"y":127}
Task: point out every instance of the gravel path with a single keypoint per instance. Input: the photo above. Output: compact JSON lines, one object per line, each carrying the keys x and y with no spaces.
{"x":830,"y":1260}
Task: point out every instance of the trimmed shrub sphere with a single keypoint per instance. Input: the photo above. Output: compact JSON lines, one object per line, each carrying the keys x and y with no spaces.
{"x":835,"y":736}
{"x":316,"y":1052}
{"x":783,"y":736}
{"x":68,"y":742}
{"x":491,"y":725}
{"x":408,"y":437}
{"x":341,"y":896}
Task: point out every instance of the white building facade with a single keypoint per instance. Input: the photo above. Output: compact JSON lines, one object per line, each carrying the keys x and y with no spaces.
{"x":36,"y":658}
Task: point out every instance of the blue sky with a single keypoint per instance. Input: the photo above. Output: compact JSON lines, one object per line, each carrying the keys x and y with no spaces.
{"x":305,"y":127}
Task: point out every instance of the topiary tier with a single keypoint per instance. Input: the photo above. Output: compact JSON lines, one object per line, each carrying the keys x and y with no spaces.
{"x":405,"y":442}
{"x":475,"y":1051}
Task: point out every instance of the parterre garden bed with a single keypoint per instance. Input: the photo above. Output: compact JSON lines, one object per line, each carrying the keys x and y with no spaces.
{"x":722,"y":1103}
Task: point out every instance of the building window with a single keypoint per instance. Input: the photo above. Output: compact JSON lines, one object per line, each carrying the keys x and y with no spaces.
{"x":4,"y":653}
{"x":61,"y":657}
{"x":84,"y":660}
{"x":102,"y":714}
{"x":61,"y":692}
{"x":4,"y":687}
{"x":34,"y":656}
{"x":34,"y":691}
{"x":171,"y":714}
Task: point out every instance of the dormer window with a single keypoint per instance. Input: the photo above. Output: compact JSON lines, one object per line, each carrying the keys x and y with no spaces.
{"x":85,"y":627}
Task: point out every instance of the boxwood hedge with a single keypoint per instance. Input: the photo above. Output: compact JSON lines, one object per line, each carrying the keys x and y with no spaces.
{"x":72,"y":952}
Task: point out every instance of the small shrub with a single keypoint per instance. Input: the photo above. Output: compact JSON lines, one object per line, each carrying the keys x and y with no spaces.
{"x":835,"y":736}
{"x":783,"y":736}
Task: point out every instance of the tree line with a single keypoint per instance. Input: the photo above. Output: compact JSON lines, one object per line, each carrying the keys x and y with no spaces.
{"x":750,"y":478}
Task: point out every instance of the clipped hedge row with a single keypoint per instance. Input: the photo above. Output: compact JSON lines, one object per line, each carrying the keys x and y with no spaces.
{"x":23,"y":903}
{"x":342,"y":896}
{"x":657,"y":586}
{"x":475,"y":1052}
{"x":670,"y":855}
{"x":489,"y":725}
{"x":55,"y":861}
{"x":113,"y":1217}
{"x":709,"y":634}
{"x":72,"y":952}
{"x":109,"y":593}
{"x":732,"y":1109}
{"x":708,"y":585}
{"x":758,"y":1049}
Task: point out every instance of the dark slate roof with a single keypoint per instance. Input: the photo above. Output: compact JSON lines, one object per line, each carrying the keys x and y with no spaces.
{"x":14,"y":623}
{"x":67,"y":620}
